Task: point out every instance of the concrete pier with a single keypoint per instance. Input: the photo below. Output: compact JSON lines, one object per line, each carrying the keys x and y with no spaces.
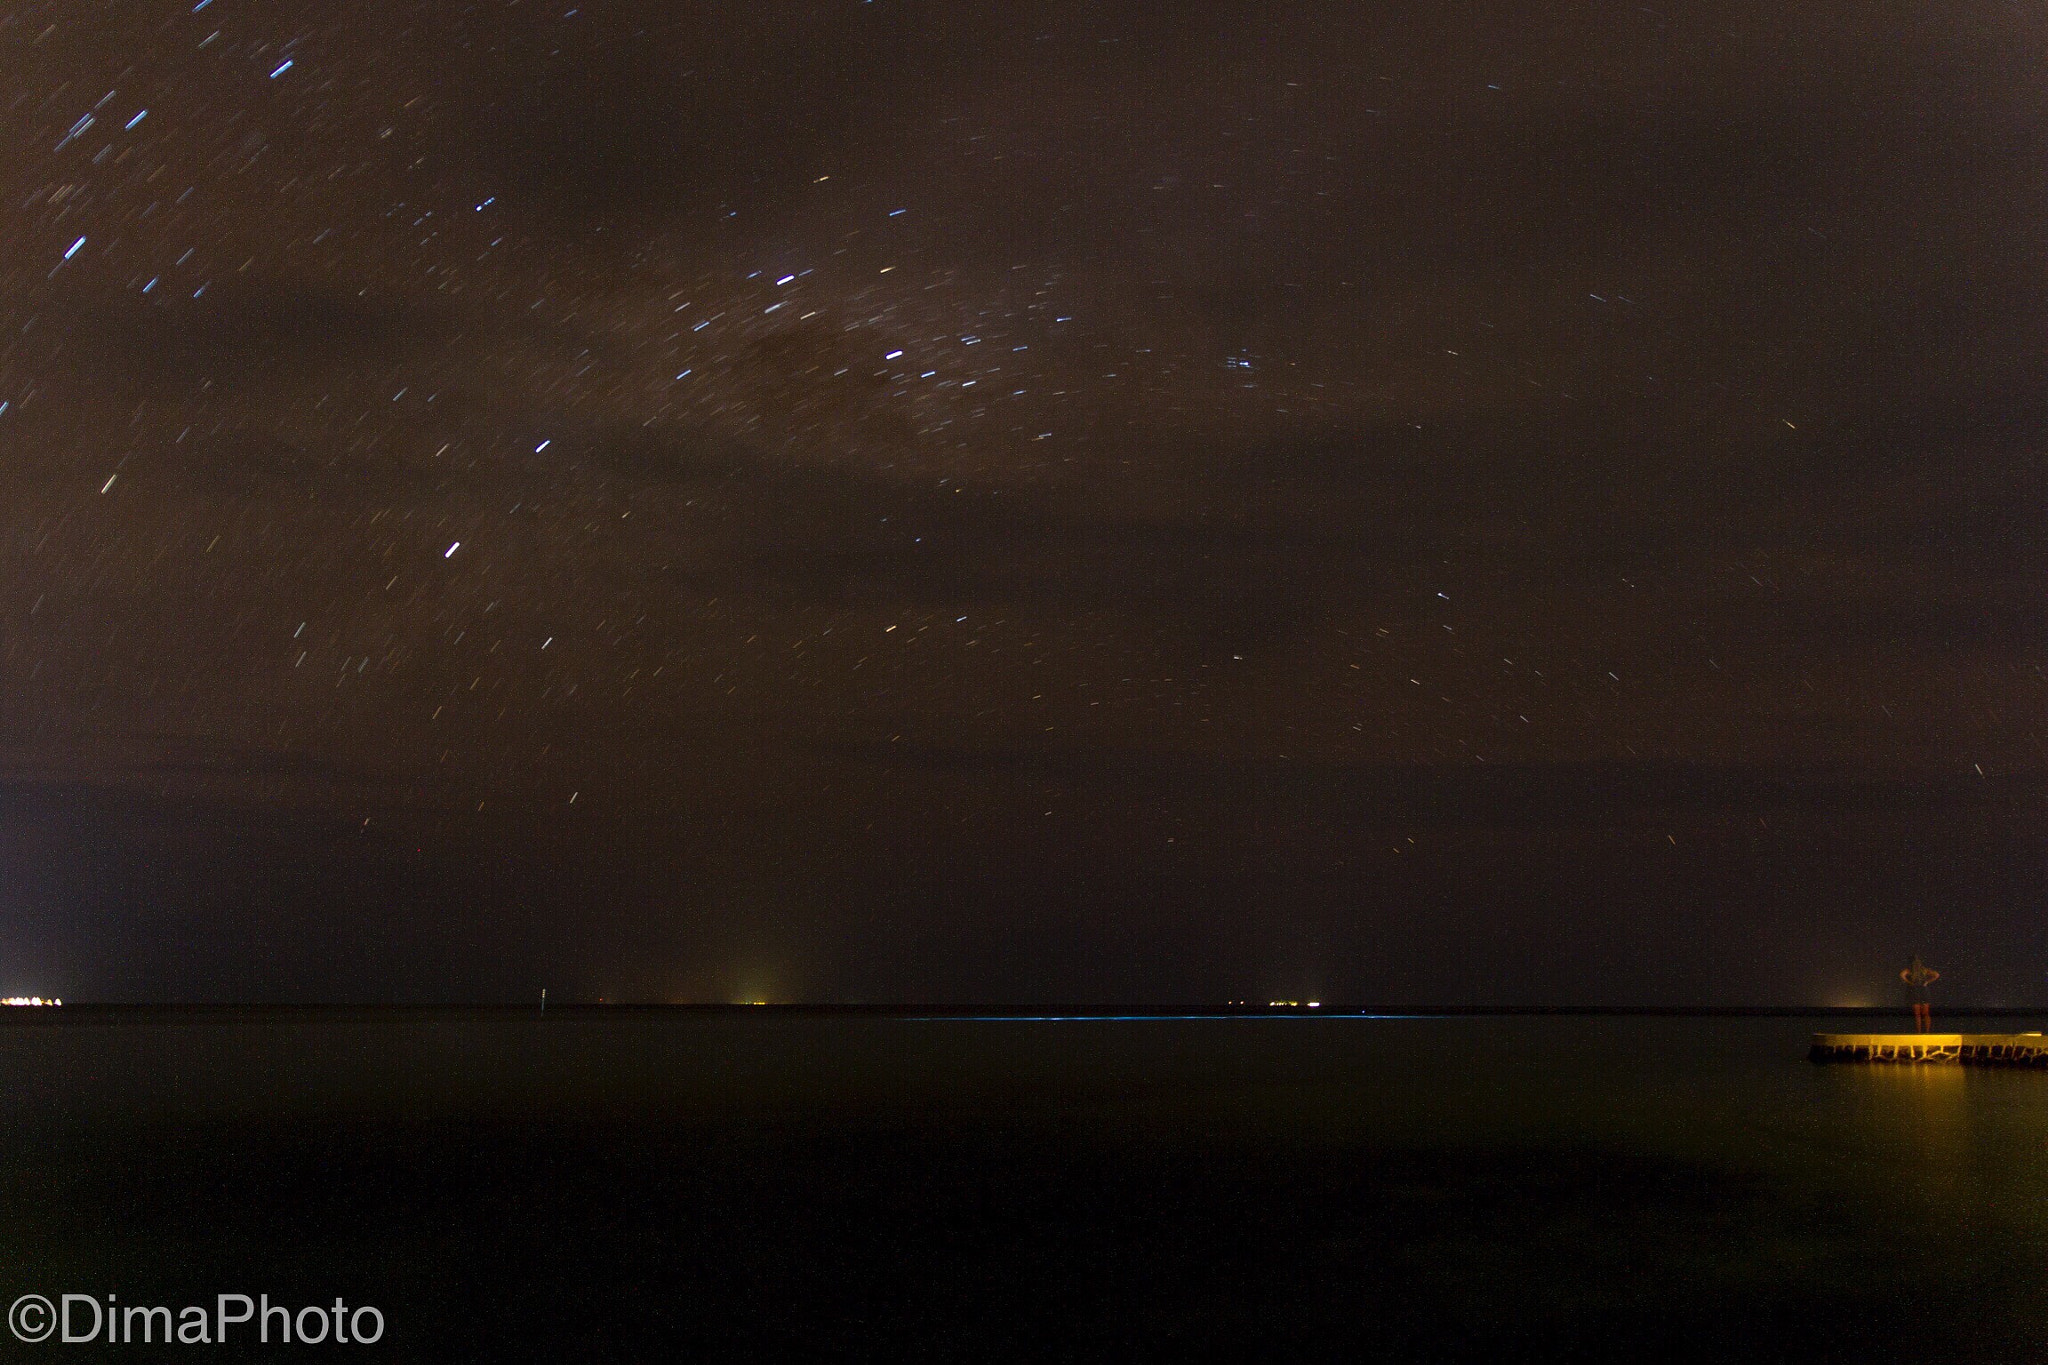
{"x":1949,"y":1049}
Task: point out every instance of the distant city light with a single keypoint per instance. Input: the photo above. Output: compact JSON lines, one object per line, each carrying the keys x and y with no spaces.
{"x":29,"y":1000}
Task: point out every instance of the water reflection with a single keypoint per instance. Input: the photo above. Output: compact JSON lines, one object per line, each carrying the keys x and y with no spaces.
{"x":1928,"y":1111}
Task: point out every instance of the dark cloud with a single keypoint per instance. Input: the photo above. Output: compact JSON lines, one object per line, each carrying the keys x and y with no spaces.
{"x":254,"y":333}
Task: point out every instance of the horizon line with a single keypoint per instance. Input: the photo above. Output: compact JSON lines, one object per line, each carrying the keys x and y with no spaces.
{"x":936,"y":1010}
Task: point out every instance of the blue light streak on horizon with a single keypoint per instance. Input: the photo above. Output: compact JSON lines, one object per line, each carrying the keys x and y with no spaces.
{"x":1137,"y":1018}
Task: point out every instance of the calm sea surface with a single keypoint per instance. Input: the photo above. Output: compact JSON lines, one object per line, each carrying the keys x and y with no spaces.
{"x":640,"y":1186}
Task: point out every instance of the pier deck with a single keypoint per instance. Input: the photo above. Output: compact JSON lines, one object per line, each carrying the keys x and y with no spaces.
{"x":1965,"y":1049}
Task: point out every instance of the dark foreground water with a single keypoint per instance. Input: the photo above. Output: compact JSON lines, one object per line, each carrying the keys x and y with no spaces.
{"x":640,"y":1186}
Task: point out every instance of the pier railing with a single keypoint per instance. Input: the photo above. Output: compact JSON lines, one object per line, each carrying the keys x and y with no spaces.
{"x":1966,"y":1049}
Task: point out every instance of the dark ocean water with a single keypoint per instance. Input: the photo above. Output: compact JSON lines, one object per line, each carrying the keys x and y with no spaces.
{"x":685,"y":1186}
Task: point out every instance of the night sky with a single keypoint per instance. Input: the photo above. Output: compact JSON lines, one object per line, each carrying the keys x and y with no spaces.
{"x":1096,"y":502}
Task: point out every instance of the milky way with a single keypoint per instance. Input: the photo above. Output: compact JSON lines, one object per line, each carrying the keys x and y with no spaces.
{"x":876,"y":500}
